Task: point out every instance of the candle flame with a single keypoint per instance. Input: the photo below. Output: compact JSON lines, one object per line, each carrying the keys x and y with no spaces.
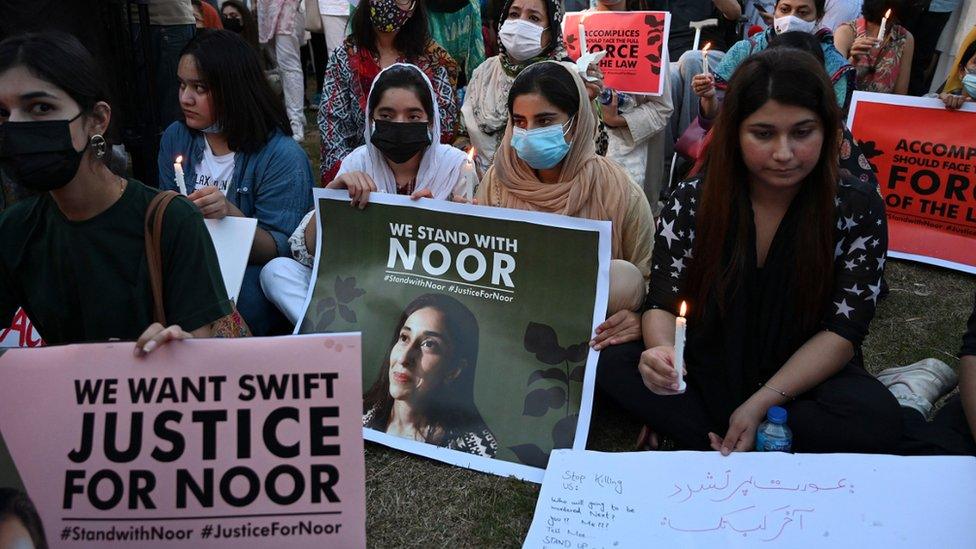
{"x":179,"y":159}
{"x":707,"y":46}
{"x":471,"y":152}
{"x":684,"y":309}
{"x":888,"y":13}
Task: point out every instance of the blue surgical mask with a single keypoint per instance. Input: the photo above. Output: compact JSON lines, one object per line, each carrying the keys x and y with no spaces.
{"x":969,"y":83}
{"x":541,"y":148}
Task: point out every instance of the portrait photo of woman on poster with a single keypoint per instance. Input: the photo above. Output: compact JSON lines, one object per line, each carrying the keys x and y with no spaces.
{"x":425,"y":389}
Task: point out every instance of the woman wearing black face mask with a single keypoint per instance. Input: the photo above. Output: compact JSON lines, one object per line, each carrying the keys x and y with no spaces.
{"x":383,"y":32}
{"x":399,"y":157}
{"x":74,"y":256}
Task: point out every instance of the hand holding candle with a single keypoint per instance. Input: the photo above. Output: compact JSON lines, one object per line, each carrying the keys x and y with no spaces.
{"x":180,"y":182}
{"x":680,"y":326}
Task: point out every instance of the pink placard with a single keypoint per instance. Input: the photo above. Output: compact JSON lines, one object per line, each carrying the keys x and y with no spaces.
{"x":252,"y":442}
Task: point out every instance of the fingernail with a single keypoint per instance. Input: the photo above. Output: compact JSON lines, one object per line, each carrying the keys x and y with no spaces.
{"x":674,"y":386}
{"x":725,"y":451}
{"x":148,"y":347}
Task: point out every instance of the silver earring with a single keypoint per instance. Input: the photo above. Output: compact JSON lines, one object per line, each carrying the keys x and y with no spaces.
{"x":99,"y":145}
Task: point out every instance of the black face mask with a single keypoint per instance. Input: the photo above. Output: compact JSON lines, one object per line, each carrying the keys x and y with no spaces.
{"x":233,"y":24}
{"x":39,"y":155}
{"x":399,"y":141}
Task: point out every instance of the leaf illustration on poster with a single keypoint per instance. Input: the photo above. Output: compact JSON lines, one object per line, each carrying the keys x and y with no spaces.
{"x":448,"y":298}
{"x":870,"y":150}
{"x":655,"y":35}
{"x":345,"y":293}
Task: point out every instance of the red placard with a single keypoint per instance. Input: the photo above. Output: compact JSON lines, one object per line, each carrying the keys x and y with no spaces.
{"x":636,"y":43}
{"x":925,"y":158}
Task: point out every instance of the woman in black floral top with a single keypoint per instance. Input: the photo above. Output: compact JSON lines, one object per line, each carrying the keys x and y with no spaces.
{"x":780,"y":261}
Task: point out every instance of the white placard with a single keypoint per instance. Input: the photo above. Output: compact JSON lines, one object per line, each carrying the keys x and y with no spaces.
{"x":232,"y":238}
{"x":591,"y":500}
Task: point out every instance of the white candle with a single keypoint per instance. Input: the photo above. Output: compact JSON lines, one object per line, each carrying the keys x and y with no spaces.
{"x":680,"y":326}
{"x":704,"y":54}
{"x":470,"y":176}
{"x":178,"y":168}
{"x":582,"y":37}
{"x":884,"y":22}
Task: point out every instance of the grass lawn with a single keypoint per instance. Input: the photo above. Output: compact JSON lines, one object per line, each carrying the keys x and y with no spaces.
{"x":413,"y":501}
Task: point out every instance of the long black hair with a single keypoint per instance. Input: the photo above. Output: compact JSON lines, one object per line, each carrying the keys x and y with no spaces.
{"x":243,"y":103}
{"x":401,"y":77}
{"x":249,"y":24}
{"x":60,"y":59}
{"x":551,"y":81}
{"x":13,"y":503}
{"x":411,"y":40}
{"x":451,"y":408}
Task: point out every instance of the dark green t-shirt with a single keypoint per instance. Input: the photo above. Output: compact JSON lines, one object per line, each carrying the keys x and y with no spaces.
{"x":82,"y":281}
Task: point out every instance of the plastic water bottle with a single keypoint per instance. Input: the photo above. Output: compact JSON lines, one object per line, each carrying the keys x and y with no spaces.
{"x":606,"y":96}
{"x":773,"y":434}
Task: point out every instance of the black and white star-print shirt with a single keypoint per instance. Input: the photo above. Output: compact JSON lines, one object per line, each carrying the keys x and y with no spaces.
{"x":860,"y":252}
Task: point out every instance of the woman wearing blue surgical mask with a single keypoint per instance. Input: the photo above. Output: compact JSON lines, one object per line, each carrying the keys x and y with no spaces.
{"x":74,"y":255}
{"x":529,"y":31}
{"x":788,"y":16}
{"x":966,"y":72}
{"x":546,"y":162}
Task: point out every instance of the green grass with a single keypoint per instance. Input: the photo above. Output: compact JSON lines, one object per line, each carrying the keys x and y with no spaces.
{"x":413,"y":501}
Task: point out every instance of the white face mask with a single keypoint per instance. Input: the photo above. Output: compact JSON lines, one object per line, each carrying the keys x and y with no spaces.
{"x":792,"y":23}
{"x":522,"y":40}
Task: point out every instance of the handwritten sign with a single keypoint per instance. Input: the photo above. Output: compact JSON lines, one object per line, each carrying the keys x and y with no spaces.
{"x":635,"y":42}
{"x":927,"y":174}
{"x":700,"y":499}
{"x":220,"y":443}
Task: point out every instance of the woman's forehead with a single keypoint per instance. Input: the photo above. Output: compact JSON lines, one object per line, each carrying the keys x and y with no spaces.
{"x":19,"y":81}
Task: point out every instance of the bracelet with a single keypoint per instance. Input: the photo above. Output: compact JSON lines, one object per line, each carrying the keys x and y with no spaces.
{"x":783,"y":394}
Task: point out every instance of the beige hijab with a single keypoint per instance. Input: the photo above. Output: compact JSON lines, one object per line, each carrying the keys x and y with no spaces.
{"x":589,"y":186}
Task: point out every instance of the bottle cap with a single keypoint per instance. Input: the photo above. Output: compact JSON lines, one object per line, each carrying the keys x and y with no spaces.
{"x":776,"y":414}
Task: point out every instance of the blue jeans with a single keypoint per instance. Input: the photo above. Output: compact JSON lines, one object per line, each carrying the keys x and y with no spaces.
{"x":262,"y":317}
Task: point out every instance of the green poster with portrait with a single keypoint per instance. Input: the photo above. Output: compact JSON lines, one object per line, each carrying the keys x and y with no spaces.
{"x":475,"y":322}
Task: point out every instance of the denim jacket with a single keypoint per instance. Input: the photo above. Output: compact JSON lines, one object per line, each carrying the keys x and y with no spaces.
{"x":273,"y":185}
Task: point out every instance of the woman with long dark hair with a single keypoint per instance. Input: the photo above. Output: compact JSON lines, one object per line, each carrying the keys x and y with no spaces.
{"x":20,"y":525}
{"x":74,"y":255}
{"x":883,"y":66}
{"x":384,"y":32}
{"x":781,"y":262}
{"x":238,"y":156}
{"x":425,"y":388}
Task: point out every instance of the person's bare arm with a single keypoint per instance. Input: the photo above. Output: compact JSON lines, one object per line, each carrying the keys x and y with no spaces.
{"x":905,"y":69}
{"x":729,"y":8}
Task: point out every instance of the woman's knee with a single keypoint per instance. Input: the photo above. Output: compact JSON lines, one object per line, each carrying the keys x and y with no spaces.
{"x":627,"y":287}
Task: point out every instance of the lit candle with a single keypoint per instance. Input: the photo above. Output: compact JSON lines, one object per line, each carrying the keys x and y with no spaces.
{"x":582,"y":36}
{"x":884,"y":22}
{"x":178,"y":168}
{"x":704,"y":54}
{"x":470,"y":176}
{"x":680,"y":326}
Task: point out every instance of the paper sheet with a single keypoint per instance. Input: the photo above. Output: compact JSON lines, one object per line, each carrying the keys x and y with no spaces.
{"x":232,"y":237}
{"x":700,"y":499}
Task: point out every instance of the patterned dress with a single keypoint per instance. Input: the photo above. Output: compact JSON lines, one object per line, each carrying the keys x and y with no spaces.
{"x":476,"y":439}
{"x":346,"y":86}
{"x":878,"y":71}
{"x":460,"y":34}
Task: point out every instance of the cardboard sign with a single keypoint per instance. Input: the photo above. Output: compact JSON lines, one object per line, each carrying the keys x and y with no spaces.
{"x":232,"y":238}
{"x":925,"y":158}
{"x":21,"y":333}
{"x":475,"y":321}
{"x":635,"y":42}
{"x":204,"y":443}
{"x":754,"y":499}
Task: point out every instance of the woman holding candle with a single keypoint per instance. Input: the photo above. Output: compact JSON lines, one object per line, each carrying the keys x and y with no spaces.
{"x":780,"y":261}
{"x":383,"y":32}
{"x":880,"y":49}
{"x":238,"y":157}
{"x":74,"y":254}
{"x":400,"y":157}
{"x":546,"y":163}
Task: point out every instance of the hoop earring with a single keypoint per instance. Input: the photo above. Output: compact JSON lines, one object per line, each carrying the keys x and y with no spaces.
{"x":99,"y":145}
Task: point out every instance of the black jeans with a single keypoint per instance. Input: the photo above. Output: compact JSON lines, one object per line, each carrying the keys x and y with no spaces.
{"x":927,"y":30}
{"x":947,"y":434}
{"x":850,"y":412}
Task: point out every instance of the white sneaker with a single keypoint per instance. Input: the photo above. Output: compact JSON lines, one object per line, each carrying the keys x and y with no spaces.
{"x":920,"y":385}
